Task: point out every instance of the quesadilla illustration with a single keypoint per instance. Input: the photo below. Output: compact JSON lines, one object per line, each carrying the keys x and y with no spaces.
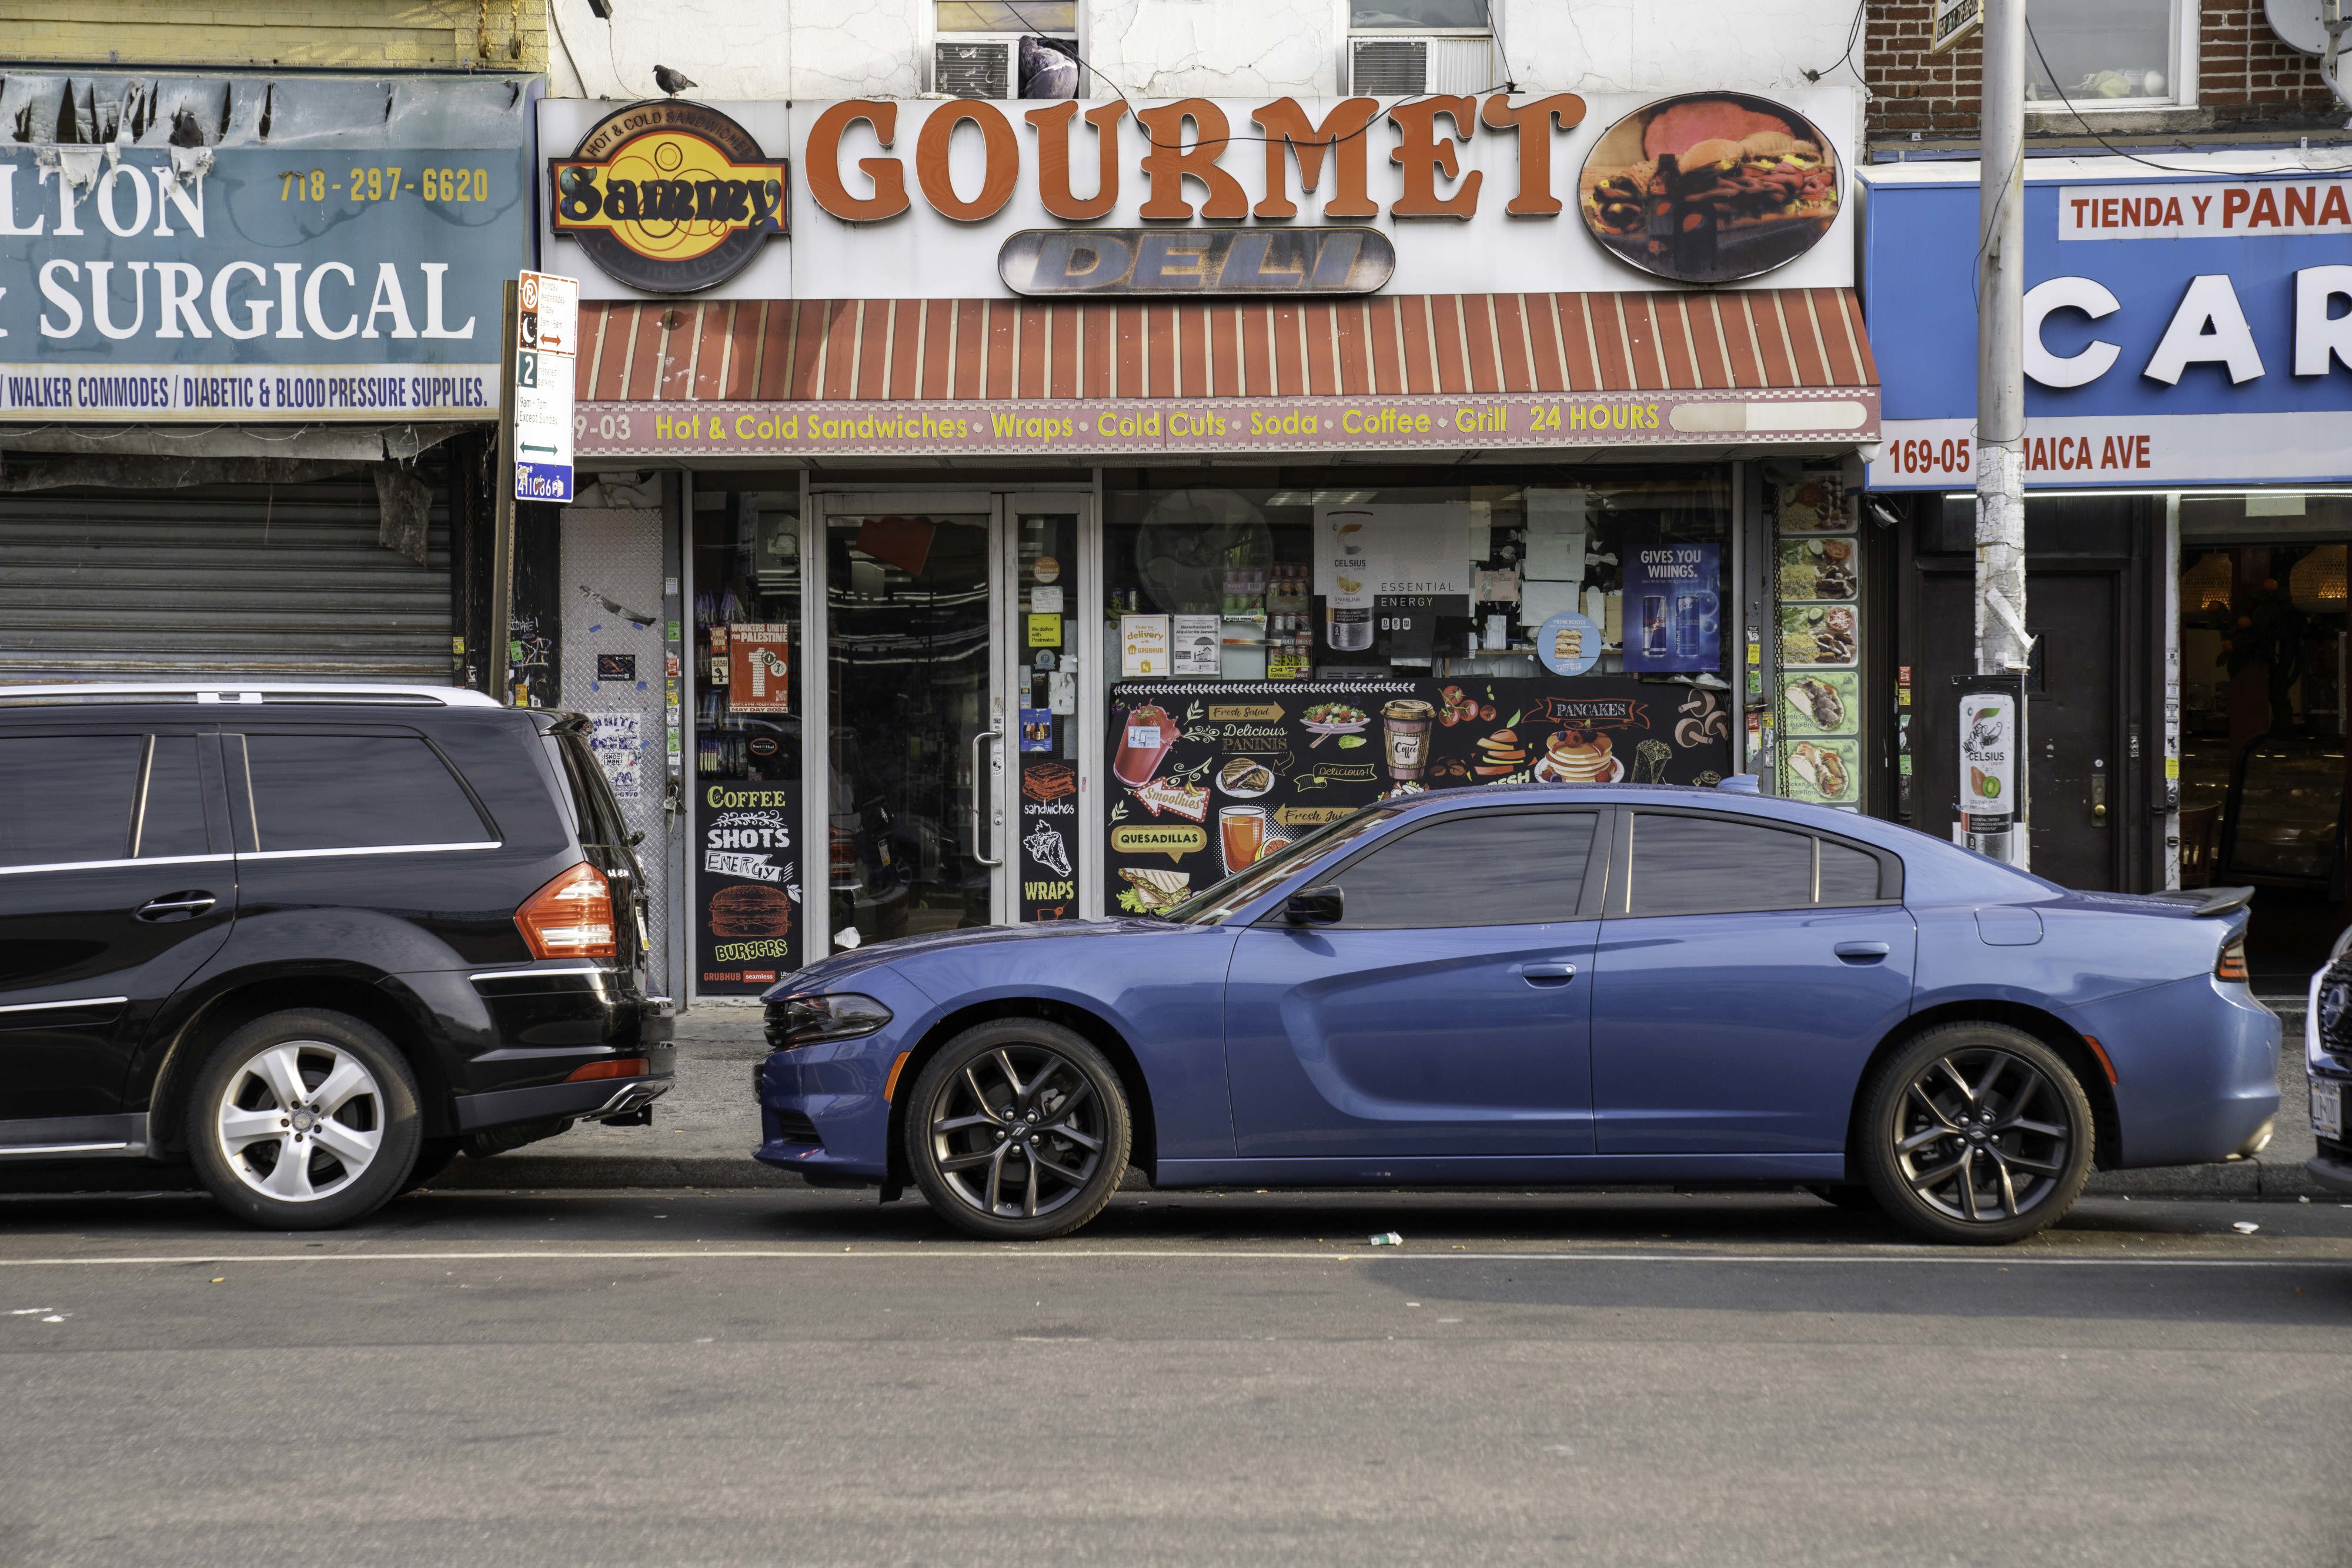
{"x":1158,"y":889}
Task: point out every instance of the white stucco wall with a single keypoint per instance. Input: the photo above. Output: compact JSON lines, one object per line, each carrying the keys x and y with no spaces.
{"x":1160,"y":48}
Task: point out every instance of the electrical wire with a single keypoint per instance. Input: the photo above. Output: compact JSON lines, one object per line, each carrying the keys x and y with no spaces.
{"x":1852,"y":36}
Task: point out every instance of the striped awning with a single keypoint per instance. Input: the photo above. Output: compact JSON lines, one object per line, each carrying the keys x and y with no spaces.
{"x":822,"y":378}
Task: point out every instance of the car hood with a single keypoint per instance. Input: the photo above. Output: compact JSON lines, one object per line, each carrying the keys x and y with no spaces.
{"x":833,"y":970}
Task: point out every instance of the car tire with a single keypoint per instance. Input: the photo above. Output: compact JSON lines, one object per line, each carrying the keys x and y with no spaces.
{"x":1976,"y":1133}
{"x":343,"y":1102}
{"x":1018,"y":1130}
{"x":433,"y":1155}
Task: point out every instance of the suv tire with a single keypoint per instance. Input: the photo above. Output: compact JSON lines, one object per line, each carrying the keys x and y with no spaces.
{"x":311,"y":1086}
{"x":1976,"y":1133}
{"x":1018,"y":1131}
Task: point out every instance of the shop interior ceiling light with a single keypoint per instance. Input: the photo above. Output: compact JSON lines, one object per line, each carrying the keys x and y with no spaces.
{"x":2317,"y":580}
{"x":2206,"y":585}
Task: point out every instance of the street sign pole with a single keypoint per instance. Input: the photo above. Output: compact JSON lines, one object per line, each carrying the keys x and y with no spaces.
{"x":502,"y":521}
{"x":2002,"y":646}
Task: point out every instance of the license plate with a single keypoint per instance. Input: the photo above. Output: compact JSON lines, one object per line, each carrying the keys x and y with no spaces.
{"x":2327,"y":1110}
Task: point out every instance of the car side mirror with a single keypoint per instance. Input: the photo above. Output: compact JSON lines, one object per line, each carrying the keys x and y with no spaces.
{"x":1316,"y":906}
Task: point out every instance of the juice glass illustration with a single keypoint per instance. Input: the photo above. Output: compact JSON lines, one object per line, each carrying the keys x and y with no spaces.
{"x":1241,"y":832}
{"x":1145,"y":740}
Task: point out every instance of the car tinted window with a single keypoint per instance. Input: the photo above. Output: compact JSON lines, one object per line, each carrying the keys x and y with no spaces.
{"x":356,"y":792}
{"x":67,"y":797}
{"x":1514,"y":868}
{"x":1848,"y":875}
{"x":1689,"y":865}
{"x":171,"y":820}
{"x":597,"y":815}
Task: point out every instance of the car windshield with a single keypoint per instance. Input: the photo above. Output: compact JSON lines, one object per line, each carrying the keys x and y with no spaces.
{"x":1214,"y":905}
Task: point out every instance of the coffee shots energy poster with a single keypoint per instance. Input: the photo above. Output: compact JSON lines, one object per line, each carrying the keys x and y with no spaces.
{"x":1208,"y":778}
{"x":749,"y":884}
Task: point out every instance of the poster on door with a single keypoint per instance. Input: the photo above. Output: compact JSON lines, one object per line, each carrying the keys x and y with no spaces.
{"x":759,"y":667}
{"x":1673,"y":617}
{"x":747,"y":885}
{"x":1208,"y":778}
{"x":1047,"y":813}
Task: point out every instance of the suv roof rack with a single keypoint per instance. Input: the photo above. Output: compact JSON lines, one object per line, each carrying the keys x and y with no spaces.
{"x":244,"y":693}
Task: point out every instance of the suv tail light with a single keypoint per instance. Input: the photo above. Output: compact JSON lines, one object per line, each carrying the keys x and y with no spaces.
{"x":2232,"y":965}
{"x":570,"y":918}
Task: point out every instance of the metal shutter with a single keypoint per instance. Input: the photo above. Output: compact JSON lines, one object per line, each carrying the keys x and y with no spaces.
{"x":284,"y":581}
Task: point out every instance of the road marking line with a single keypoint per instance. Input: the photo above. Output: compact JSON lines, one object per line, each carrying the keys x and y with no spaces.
{"x":2003,"y":1260}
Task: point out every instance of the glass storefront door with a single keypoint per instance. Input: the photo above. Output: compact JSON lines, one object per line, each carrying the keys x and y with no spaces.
{"x":950,"y":712}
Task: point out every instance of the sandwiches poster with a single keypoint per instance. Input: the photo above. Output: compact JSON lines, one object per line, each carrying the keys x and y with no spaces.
{"x":1207,"y":778}
{"x":1820,"y":622}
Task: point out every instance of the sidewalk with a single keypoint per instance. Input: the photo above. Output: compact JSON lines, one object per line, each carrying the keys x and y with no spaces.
{"x":705,"y":1129}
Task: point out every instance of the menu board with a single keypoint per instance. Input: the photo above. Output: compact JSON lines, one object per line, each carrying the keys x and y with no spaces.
{"x":1208,"y":777}
{"x":1818,"y":557}
{"x":749,"y":884}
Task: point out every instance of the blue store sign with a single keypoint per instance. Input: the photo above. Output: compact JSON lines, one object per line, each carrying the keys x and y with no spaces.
{"x":236,"y":249}
{"x":2181,"y":330}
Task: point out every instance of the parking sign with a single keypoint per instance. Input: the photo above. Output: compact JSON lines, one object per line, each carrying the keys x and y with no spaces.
{"x":546,"y":325}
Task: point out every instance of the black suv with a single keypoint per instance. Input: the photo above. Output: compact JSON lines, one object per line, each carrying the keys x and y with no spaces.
{"x":314,"y":940}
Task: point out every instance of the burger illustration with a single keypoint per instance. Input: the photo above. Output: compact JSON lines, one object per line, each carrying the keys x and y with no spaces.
{"x":1706,"y":188}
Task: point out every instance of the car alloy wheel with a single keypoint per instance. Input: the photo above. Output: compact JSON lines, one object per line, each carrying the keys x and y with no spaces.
{"x":1018,"y":1129}
{"x":1979,"y":1133}
{"x":303,"y":1121}
{"x":1985,"y":1137}
{"x":1019,"y":1132}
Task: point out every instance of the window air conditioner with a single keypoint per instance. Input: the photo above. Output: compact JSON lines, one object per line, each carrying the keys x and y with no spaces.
{"x":1395,"y":66}
{"x":980,"y":68}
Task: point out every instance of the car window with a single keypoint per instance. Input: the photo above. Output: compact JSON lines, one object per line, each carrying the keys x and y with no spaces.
{"x":67,"y":798}
{"x":330,"y":792}
{"x":1692,"y":865}
{"x":597,"y":816}
{"x":171,"y":802}
{"x":1511,"y":868}
{"x":1849,"y":875}
{"x":1213,"y":904}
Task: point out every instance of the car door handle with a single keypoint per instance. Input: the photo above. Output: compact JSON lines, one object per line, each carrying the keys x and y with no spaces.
{"x":1863,"y":952}
{"x":176,"y":907}
{"x":1547,"y":974}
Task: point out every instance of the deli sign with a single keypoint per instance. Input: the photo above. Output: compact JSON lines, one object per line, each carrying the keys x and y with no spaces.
{"x":1077,"y":199}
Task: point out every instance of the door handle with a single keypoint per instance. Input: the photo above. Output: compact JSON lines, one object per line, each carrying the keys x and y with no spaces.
{"x":175,"y":907}
{"x":977,"y":790}
{"x":1863,"y":952}
{"x":2099,"y":793}
{"x":1547,"y":974}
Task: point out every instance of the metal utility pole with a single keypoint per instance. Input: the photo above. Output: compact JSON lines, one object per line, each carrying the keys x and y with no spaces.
{"x":2003,"y":645}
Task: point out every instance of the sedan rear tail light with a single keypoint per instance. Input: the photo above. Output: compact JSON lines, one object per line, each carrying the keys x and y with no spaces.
{"x":570,"y":918}
{"x":2232,"y":965}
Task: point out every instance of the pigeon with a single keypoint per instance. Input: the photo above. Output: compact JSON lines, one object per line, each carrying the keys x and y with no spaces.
{"x":672,"y":82}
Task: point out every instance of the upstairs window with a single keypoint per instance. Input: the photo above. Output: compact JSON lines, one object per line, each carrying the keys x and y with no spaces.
{"x":1402,"y":49}
{"x":1006,"y":48}
{"x":2110,"y":54}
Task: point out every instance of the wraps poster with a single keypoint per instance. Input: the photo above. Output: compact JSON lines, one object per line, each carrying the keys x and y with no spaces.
{"x":1208,"y":777}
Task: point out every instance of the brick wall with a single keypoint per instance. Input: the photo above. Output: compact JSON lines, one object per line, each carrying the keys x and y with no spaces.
{"x":2245,"y":75}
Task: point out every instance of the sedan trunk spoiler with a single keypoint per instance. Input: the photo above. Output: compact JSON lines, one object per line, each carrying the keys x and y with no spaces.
{"x":2205,"y":901}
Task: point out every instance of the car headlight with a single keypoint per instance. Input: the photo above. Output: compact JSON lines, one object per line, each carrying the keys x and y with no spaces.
{"x":798,"y":1020}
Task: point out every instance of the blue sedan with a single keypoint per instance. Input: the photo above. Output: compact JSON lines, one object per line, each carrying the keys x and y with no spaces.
{"x":1545,"y":985}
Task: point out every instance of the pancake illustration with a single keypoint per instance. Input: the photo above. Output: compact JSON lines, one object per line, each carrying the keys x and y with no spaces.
{"x":1579,"y":756}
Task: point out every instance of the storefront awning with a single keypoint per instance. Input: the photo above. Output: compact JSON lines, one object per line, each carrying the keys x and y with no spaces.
{"x":1780,"y":368}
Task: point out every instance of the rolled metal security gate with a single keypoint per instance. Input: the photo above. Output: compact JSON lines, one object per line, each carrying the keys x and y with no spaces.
{"x":282,"y":581}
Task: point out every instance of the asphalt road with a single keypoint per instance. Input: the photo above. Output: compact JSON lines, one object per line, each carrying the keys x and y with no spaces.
{"x":791,"y":1376}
